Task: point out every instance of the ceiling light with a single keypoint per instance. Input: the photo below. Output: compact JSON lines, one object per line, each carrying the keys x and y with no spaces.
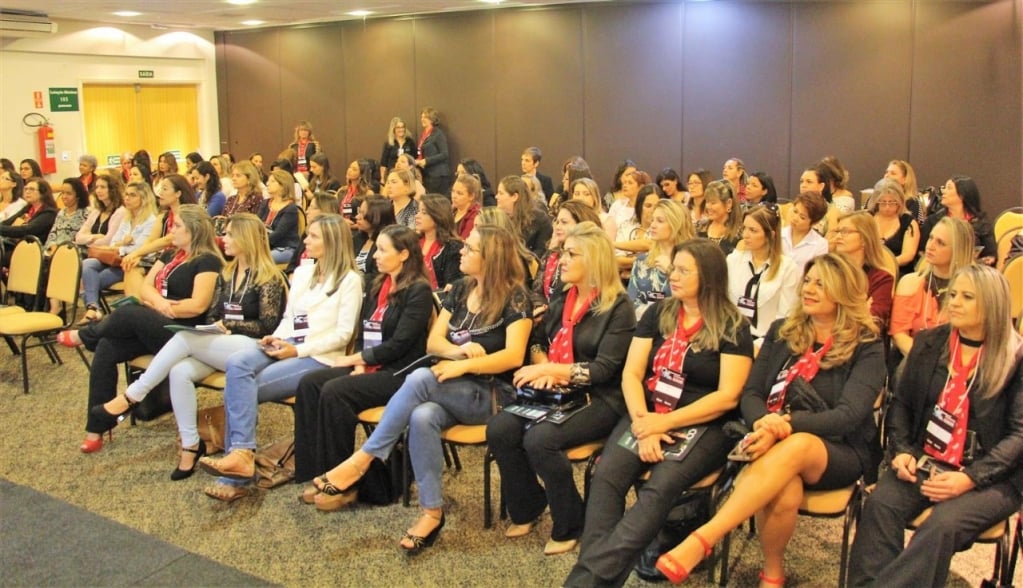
{"x":253,"y":23}
{"x":491,"y":1}
{"x":127,"y":13}
{"x":241,"y":2}
{"x":360,"y":13}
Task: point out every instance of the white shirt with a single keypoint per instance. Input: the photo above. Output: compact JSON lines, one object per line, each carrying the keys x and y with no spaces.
{"x":775,"y":297}
{"x":813,"y":245}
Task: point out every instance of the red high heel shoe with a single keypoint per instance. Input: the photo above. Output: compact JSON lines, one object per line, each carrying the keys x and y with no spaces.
{"x":674,"y":571}
{"x":94,"y":445}
{"x":772,"y":581}
{"x":66,"y":339}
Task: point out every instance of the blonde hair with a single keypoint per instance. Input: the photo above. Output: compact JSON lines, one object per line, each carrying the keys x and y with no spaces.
{"x":874,"y":251}
{"x":962,"y":245}
{"x":200,"y":226}
{"x":252,"y":177}
{"x":406,"y":177}
{"x":147,"y":208}
{"x":910,"y":187}
{"x":471,"y":184}
{"x":250,"y":234}
{"x":722,"y":191}
{"x":391,"y":139}
{"x":1002,"y":344}
{"x":846,"y":285}
{"x":601,"y":270}
{"x":888,"y":187}
{"x":681,"y":224}
{"x":492,"y":216}
{"x":338,"y":251}
{"x":592,"y":190}
{"x":286,"y":181}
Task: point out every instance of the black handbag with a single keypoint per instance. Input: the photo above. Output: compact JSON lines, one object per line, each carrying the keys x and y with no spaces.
{"x":561,"y":398}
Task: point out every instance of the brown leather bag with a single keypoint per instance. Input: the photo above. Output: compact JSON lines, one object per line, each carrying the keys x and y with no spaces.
{"x":275,"y":464}
{"x":211,"y":428}
{"x":105,"y":255}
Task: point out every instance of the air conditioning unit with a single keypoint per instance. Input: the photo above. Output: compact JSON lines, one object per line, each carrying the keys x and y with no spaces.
{"x":19,"y":24}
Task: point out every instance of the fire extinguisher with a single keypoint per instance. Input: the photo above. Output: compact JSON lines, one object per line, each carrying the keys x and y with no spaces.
{"x":47,"y":149}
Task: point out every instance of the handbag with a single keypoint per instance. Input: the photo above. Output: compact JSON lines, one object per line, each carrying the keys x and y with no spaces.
{"x":801,"y":395}
{"x":275,"y":464}
{"x":563,"y":398}
{"x":105,"y":255}
{"x":210,"y":422}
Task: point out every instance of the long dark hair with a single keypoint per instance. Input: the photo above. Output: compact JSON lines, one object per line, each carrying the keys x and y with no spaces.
{"x":205,"y":168}
{"x":412,"y":270}
{"x":379,"y":214}
{"x":438,"y":208}
{"x":81,"y":194}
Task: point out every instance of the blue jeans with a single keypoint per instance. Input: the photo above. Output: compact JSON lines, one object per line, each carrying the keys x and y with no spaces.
{"x":97,"y":277}
{"x":282,"y":254}
{"x":427,"y":407}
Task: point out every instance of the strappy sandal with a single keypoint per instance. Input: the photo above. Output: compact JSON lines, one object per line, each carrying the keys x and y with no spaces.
{"x":67,"y":339}
{"x":226,"y":493}
{"x":215,"y":466}
{"x":673,"y":570}
{"x":772,"y":581}
{"x":418,"y":544}
{"x":92,"y":314}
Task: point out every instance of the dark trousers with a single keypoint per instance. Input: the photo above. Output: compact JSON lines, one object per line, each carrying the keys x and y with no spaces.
{"x":523,"y":454}
{"x":613,"y":539}
{"x":127,"y":333}
{"x":878,"y":557}
{"x":437,"y":184}
{"x":327,"y":407}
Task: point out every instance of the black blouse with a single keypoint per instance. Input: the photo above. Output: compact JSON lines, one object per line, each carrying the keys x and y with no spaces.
{"x":491,"y":337}
{"x":262,"y":306}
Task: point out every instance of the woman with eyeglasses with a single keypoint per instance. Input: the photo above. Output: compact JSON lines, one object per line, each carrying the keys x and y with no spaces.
{"x":36,"y":218}
{"x":856,"y":238}
{"x":830,"y":343}
{"x":762,"y":281}
{"x":582,"y":342}
{"x":398,"y":142}
{"x":173,"y":192}
{"x":899,"y":231}
{"x":484,"y":328}
{"x":548,"y":283}
{"x":683,"y":375}
{"x":955,"y":437}
{"x":696,"y":183}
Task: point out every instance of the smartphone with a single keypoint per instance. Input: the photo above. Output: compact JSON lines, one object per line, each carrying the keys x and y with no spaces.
{"x":738,"y":452}
{"x":270,"y":348}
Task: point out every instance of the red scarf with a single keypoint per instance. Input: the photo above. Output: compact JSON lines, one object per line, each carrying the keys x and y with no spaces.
{"x":164,"y":274}
{"x":561,"y":345}
{"x":31,"y":212}
{"x":300,"y":156}
{"x":549,"y":272}
{"x":955,"y":400}
{"x":807,"y":366}
{"x":422,"y":139}
{"x":380,"y":310}
{"x":428,"y":260}
{"x":672,"y":353}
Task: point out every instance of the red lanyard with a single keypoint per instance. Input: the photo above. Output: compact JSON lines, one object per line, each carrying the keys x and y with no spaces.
{"x":164,"y":274}
{"x":807,"y":366}
{"x":672,"y":353}
{"x":428,"y":261}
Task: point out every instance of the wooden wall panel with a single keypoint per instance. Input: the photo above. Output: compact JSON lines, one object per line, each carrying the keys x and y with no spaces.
{"x":538,"y":67}
{"x":454,"y":73}
{"x":737,"y":88}
{"x":312,"y":88}
{"x":379,"y":84}
{"x":850,"y":97}
{"x":633,"y":87}
{"x":966,"y":103}
{"x":253,"y":78}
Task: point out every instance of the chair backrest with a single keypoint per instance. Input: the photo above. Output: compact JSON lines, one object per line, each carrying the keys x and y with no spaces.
{"x":1007,"y":220}
{"x":301,"y":222}
{"x":26,"y":267}
{"x":65,"y":274}
{"x":1013,"y":272}
{"x":1004,"y":244}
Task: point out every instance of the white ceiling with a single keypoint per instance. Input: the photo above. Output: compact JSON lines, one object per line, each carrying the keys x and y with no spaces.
{"x":220,"y":15}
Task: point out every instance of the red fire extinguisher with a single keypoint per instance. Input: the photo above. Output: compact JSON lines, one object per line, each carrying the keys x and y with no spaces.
{"x":47,"y":149}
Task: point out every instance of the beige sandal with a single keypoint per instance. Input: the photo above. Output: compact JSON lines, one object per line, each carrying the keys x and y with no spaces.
{"x":215,"y":466}
{"x":226,"y":493}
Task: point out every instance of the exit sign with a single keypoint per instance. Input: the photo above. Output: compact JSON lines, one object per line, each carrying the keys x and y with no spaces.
{"x":146,"y":73}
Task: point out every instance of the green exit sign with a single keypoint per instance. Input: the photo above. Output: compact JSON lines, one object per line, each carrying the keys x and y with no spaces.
{"x":146,"y":73}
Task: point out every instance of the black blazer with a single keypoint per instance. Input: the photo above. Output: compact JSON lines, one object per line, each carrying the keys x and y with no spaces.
{"x":850,"y":390}
{"x":284,"y":228}
{"x":389,"y":155}
{"x":39,"y":227}
{"x":446,"y":264}
{"x":435,"y":152}
{"x":405,"y":327}
{"x":540,"y":231}
{"x":998,"y":421}
{"x":547,"y":184}
{"x":600,"y":342}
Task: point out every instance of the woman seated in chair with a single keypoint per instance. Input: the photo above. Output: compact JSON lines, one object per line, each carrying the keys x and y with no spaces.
{"x":955,"y":431}
{"x":395,"y":321}
{"x":249,"y":300}
{"x":685,"y":370}
{"x":828,"y":343}
{"x":439,"y":241}
{"x":140,"y":205}
{"x":35,"y":220}
{"x":484,"y":327}
{"x":316,"y":328}
{"x":280,"y":213}
{"x":581,"y":342}
{"x":177,"y":290}
{"x":856,"y":237}
{"x":649,"y":280}
{"x":548,"y":283}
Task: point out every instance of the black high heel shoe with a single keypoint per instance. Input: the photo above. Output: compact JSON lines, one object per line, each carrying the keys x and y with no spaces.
{"x":180,"y":474}
{"x":421,"y":543}
{"x":108,"y":420}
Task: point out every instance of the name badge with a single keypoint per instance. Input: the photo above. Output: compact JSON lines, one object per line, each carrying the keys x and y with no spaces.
{"x":233,"y":311}
{"x":939,"y":429}
{"x":654,"y":296}
{"x":460,"y":337}
{"x":301,"y":326}
{"x":747,"y":306}
{"x":668,"y":388}
{"x":778,"y":389}
{"x":163,"y":288}
{"x":372,"y":334}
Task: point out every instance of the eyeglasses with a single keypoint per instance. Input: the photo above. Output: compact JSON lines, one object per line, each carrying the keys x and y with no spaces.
{"x":888,"y":203}
{"x":844,"y":232}
{"x":683,"y":271}
{"x":466,"y":248}
{"x":694,"y":183}
{"x":30,"y":189}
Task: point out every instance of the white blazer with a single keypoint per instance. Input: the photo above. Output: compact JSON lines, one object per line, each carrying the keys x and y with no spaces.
{"x":332,"y":319}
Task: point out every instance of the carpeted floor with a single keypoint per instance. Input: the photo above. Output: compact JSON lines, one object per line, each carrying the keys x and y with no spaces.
{"x":270,"y":535}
